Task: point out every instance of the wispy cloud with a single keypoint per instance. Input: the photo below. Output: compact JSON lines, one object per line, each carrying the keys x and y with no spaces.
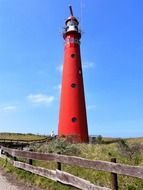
{"x":91,"y":107}
{"x":85,"y":65}
{"x":8,"y":108}
{"x":88,"y":65}
{"x":58,"y":87}
{"x":40,"y":98}
{"x":59,"y":68}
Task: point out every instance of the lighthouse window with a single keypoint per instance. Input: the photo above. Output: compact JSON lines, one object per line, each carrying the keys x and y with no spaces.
{"x":73,"y":55}
{"x":73,"y":85}
{"x":74,"y":119}
{"x":71,"y":40}
{"x":80,"y":72}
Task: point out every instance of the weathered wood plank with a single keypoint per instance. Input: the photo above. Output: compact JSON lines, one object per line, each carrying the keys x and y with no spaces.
{"x":133,"y":171}
{"x":60,"y":176}
{"x":30,"y":155}
{"x":72,"y":180}
{"x":51,"y":174}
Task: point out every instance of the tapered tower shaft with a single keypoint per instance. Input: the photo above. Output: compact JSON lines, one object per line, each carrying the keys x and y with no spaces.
{"x":72,"y":115}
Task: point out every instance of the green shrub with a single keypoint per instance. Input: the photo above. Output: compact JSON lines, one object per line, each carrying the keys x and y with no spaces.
{"x":132,"y":151}
{"x":59,"y":145}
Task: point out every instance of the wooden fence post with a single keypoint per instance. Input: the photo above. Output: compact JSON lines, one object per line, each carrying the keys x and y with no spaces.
{"x":59,"y":167}
{"x":30,"y":161}
{"x":6,"y":153}
{"x":114,"y":177}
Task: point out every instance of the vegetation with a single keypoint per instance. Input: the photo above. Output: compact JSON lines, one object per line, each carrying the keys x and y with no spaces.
{"x":20,"y":136}
{"x":30,"y":178}
{"x":130,"y":150}
{"x":127,"y":151}
{"x":57,"y":146}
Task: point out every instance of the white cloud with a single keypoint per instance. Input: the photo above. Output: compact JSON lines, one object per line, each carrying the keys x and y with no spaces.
{"x":59,"y":68}
{"x":58,"y":87}
{"x":85,"y":65}
{"x":88,"y":65}
{"x":40,"y":98}
{"x":91,"y":107}
{"x":8,"y":108}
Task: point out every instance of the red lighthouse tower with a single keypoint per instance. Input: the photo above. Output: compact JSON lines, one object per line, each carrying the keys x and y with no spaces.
{"x":72,"y":116}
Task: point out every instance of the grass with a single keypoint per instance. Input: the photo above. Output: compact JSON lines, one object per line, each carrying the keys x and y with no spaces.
{"x":104,"y":151}
{"x":33,"y":179}
{"x":19,"y":136}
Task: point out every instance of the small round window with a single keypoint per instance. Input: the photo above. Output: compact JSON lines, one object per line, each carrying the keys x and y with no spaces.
{"x":74,"y":119}
{"x":80,"y":72}
{"x":73,"y":85}
{"x":73,"y":55}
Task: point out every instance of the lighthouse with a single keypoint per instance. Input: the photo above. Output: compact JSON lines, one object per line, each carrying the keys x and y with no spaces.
{"x":72,"y":114}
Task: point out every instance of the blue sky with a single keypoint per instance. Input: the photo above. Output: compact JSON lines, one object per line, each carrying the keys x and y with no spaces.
{"x":31,"y":55}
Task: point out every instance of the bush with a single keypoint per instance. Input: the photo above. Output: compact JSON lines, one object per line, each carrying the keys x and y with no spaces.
{"x":59,"y":145}
{"x":99,"y":139}
{"x":131,"y":151}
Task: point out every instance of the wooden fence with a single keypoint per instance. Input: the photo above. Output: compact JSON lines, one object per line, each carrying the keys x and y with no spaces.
{"x":25,"y":141}
{"x":15,"y":143}
{"x":66,"y":178}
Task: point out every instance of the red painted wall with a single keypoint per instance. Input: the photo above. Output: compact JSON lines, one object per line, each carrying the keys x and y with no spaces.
{"x":72,"y":115}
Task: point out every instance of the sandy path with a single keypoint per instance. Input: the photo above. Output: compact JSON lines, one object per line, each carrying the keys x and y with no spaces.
{"x":5,"y":184}
{"x":9,"y":182}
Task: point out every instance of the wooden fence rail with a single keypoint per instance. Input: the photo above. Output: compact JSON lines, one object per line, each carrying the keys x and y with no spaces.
{"x":59,"y":176}
{"x":113,"y":168}
{"x":24,"y":140}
